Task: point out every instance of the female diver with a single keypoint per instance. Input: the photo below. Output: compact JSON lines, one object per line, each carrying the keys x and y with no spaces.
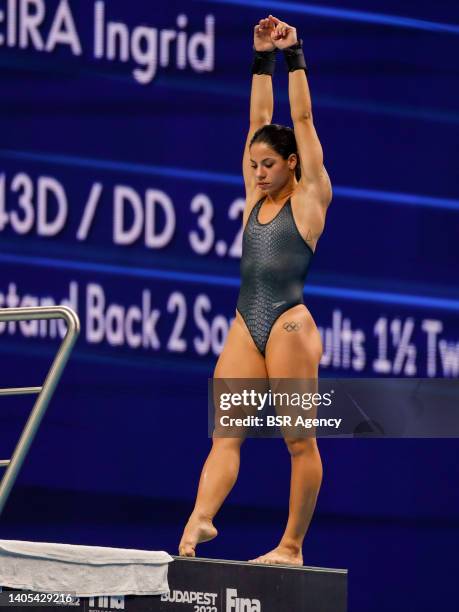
{"x":273,"y":334}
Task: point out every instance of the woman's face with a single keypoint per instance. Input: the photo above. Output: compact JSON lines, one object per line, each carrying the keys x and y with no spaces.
{"x":271,"y":170}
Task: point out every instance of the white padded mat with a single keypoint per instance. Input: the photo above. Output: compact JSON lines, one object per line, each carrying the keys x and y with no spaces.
{"x":82,"y":570}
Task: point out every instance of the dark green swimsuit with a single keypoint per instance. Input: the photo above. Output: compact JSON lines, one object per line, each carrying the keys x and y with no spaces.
{"x":274,"y":264}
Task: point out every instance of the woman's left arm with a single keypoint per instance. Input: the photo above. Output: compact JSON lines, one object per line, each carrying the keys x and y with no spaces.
{"x":309,"y":147}
{"x":313,"y":173}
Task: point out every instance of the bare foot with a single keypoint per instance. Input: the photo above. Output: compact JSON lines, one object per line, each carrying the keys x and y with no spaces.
{"x":282,"y":555}
{"x":197,"y":530}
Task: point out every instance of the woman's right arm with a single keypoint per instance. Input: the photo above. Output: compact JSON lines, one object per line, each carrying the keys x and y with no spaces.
{"x":261,"y":104}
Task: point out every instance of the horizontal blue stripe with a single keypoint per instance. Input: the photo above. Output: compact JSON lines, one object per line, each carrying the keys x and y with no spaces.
{"x":417,"y":113}
{"x":169,"y":363}
{"x":344,"y":14}
{"x":102,"y":268}
{"x":378,"y":297}
{"x":233,"y":89}
{"x":217,"y":177}
{"x":383,"y":297}
{"x":390,"y":197}
{"x":116,"y":166}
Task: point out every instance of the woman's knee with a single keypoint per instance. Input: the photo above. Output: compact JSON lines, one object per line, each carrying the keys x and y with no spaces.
{"x":298,"y":446}
{"x":227,"y":443}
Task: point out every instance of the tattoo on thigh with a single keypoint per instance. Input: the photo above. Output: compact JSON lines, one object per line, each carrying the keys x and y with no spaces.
{"x":291,"y":326}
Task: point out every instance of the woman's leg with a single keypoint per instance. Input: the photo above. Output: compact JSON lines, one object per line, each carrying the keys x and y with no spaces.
{"x":294,"y":350}
{"x":239,"y":359}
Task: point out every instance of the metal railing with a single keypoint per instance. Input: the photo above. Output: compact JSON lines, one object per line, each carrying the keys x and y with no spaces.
{"x":45,"y":392}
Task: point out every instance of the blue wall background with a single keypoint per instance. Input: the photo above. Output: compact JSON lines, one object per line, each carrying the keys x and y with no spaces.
{"x":129,"y":422}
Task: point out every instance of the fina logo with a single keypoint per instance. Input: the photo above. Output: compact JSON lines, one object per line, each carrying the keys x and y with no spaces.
{"x":107,"y":603}
{"x":238,"y":604}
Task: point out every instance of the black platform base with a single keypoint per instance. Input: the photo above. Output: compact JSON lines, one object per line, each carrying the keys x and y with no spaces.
{"x":212,"y":585}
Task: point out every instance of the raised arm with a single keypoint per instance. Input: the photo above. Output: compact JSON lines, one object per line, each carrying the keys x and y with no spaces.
{"x":261,"y":100}
{"x":313,"y":173}
{"x":309,"y":147}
